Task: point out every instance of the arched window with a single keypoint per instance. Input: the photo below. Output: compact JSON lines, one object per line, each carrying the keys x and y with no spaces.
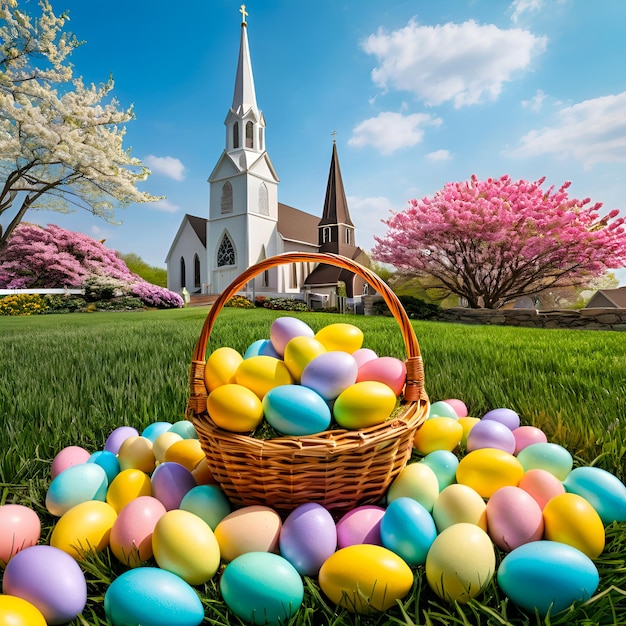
{"x":196,"y":271}
{"x":227,"y":198}
{"x":349,"y":236}
{"x":183,"y":276}
{"x":226,"y":252}
{"x":326,"y":234}
{"x":249,"y":136}
{"x":264,"y":207}
{"x":236,"y":135}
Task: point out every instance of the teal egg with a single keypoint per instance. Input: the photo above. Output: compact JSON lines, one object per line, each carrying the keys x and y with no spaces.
{"x":547,"y":456}
{"x":76,"y":484}
{"x":262,"y":588}
{"x":444,"y":464}
{"x":208,"y":502}
{"x":152,"y":431}
{"x":149,"y":596}
{"x":107,"y":461}
{"x":442,"y":409}
{"x":185,"y":429}
{"x":296,"y":410}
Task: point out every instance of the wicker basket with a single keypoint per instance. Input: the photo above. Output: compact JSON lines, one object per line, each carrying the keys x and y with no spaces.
{"x":338,"y":468}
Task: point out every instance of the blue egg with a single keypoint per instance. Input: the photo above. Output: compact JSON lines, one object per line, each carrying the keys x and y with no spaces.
{"x":185,"y":429}
{"x":296,"y":410}
{"x":208,"y":502}
{"x":268,"y":349}
{"x":547,"y":576}
{"x":152,"y":431}
{"x":444,"y":464}
{"x":107,"y":461}
{"x":262,"y":588}
{"x":76,"y":484}
{"x":408,"y":529}
{"x":547,"y":456}
{"x":149,"y":596}
{"x":254,"y":349}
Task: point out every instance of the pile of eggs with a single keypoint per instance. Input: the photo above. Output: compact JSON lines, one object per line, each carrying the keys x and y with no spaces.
{"x":480,"y":486}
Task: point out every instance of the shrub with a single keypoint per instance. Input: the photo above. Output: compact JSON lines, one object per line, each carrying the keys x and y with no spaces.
{"x":239,"y":302}
{"x":158,"y":297}
{"x":22,"y":304}
{"x":124,"y":303}
{"x":285,"y":304}
{"x":99,"y":287}
{"x":415,"y":308}
{"x":60,"y":303}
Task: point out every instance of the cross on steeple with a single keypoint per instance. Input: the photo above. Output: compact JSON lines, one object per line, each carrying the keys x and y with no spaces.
{"x":244,"y":14}
{"x":334,"y":135}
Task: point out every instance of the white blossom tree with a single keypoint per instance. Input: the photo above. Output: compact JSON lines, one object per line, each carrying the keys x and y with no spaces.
{"x":60,"y":140}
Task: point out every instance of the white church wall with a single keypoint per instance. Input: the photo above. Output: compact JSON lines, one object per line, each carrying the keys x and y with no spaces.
{"x":187,"y":245}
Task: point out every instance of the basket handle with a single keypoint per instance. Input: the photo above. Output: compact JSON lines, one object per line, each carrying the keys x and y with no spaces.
{"x":414,"y":388}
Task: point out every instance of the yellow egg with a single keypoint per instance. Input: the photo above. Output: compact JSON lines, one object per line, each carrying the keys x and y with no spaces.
{"x":340,"y":336}
{"x":365,"y":578}
{"x":487,"y":469}
{"x":569,"y":518}
{"x":262,"y":373}
{"x":417,"y":481}
{"x":202,"y":473}
{"x":162,"y":443}
{"x":185,"y":545}
{"x":460,"y":563}
{"x":220,"y":367}
{"x":126,"y":486}
{"x":136,"y":452}
{"x":467,"y":423}
{"x":235,"y":408}
{"x":299,"y":352}
{"x":15,"y":611}
{"x":459,"y":503}
{"x":85,"y":527}
{"x":438,"y":433}
{"x":364,"y":404}
{"x":187,"y":452}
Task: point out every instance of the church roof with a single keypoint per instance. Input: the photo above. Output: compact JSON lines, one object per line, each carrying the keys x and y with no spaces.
{"x":335,"y":204}
{"x":296,"y":225}
{"x":608,"y":298}
{"x":244,"y":97}
{"x":199,"y":226}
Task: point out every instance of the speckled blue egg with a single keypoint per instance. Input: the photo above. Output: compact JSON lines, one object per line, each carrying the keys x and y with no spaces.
{"x":547,"y":575}
{"x":149,"y":596}
{"x":76,"y":484}
{"x":262,"y":588}
{"x":296,"y":410}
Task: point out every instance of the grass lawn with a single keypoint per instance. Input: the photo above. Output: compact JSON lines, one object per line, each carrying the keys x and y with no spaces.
{"x":71,"y":379}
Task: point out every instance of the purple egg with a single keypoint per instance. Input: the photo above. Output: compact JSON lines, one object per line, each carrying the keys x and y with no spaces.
{"x":170,"y":483}
{"x":361,"y":525}
{"x":49,"y":579}
{"x":330,"y":373}
{"x":505,"y":416}
{"x":490,"y":434}
{"x":285,"y":328}
{"x":115,"y":439}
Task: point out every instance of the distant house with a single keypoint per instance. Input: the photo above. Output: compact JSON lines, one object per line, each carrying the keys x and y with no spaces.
{"x":608,"y":299}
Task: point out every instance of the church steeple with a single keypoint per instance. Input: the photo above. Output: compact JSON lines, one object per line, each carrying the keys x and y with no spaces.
{"x":244,"y":97}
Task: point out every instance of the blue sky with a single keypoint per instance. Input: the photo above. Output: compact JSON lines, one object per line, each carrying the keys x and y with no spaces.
{"x":419,"y":93}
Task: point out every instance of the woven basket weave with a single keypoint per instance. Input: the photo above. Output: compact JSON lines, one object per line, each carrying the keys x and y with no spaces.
{"x":338,"y":468}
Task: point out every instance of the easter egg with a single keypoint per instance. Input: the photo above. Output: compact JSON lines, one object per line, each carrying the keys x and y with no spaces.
{"x":296,"y":410}
{"x":185,"y":429}
{"x":308,"y":537}
{"x":48,"y":578}
{"x":254,"y":528}
{"x":15,"y":611}
{"x":149,"y":596}
{"x":254,"y":349}
{"x":126,"y":486}
{"x":220,"y":367}
{"x":457,"y":504}
{"x":340,"y":336}
{"x":548,"y":456}
{"x":20,"y":527}
{"x":547,"y":576}
{"x":185,"y":545}
{"x":330,"y":373}
{"x":487,"y":469}
{"x":71,"y":455}
{"x":360,"y":525}
{"x":162,"y":443}
{"x":603,"y":490}
{"x":202,"y":473}
{"x":262,"y":373}
{"x":131,"y":534}
{"x":170,"y":483}
{"x":408,"y":529}
{"x":76,"y":484}
{"x":364,"y":404}
{"x":363,"y":355}
{"x":86,"y":527}
{"x":541,"y":485}
{"x":570,"y":519}
{"x":152,"y":431}
{"x":262,"y":588}
{"x":513,"y":518}
{"x":460,"y":563}
{"x":117,"y":436}
{"x":136,"y":453}
{"x":467,"y":424}
{"x":527,"y":435}
{"x":385,"y":369}
{"x":208,"y":502}
{"x":299,"y":352}
{"x":441,"y":409}
{"x":417,"y":481}
{"x":458,"y":405}
{"x":365,"y":578}
{"x":107,"y":461}
{"x":507,"y":417}
{"x":490,"y":434}
{"x":438,"y":433}
{"x":444,"y":464}
{"x":285,"y":328}
{"x":267,"y":349}
{"x":187,"y":452}
{"x":235,"y":407}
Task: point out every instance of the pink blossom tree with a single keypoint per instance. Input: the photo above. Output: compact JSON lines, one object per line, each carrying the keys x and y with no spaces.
{"x":496,"y":240}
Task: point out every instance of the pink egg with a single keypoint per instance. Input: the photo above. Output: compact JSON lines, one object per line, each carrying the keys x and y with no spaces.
{"x":526,"y":436}
{"x":541,"y":485}
{"x":513,"y":518}
{"x":170,"y":483}
{"x":385,"y":369}
{"x":72,"y":455}
{"x":20,"y":528}
{"x":361,"y":525}
{"x":363,"y":355}
{"x":458,"y":406}
{"x":490,"y":434}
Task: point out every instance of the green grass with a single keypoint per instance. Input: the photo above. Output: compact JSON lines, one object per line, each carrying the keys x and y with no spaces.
{"x":71,"y":379}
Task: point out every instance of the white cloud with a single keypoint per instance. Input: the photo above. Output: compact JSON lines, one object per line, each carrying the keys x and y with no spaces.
{"x":464,"y":63}
{"x":593,"y":131}
{"x":168,"y":166}
{"x":536,"y":102}
{"x":524,"y":6}
{"x":439,"y":155}
{"x":367,"y":214}
{"x":390,"y":131}
{"x":163,"y":205}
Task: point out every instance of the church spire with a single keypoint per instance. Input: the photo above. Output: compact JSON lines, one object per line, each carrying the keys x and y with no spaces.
{"x":244,"y":97}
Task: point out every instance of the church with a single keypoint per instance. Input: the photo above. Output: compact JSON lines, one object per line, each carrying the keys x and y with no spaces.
{"x":247,"y":223}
